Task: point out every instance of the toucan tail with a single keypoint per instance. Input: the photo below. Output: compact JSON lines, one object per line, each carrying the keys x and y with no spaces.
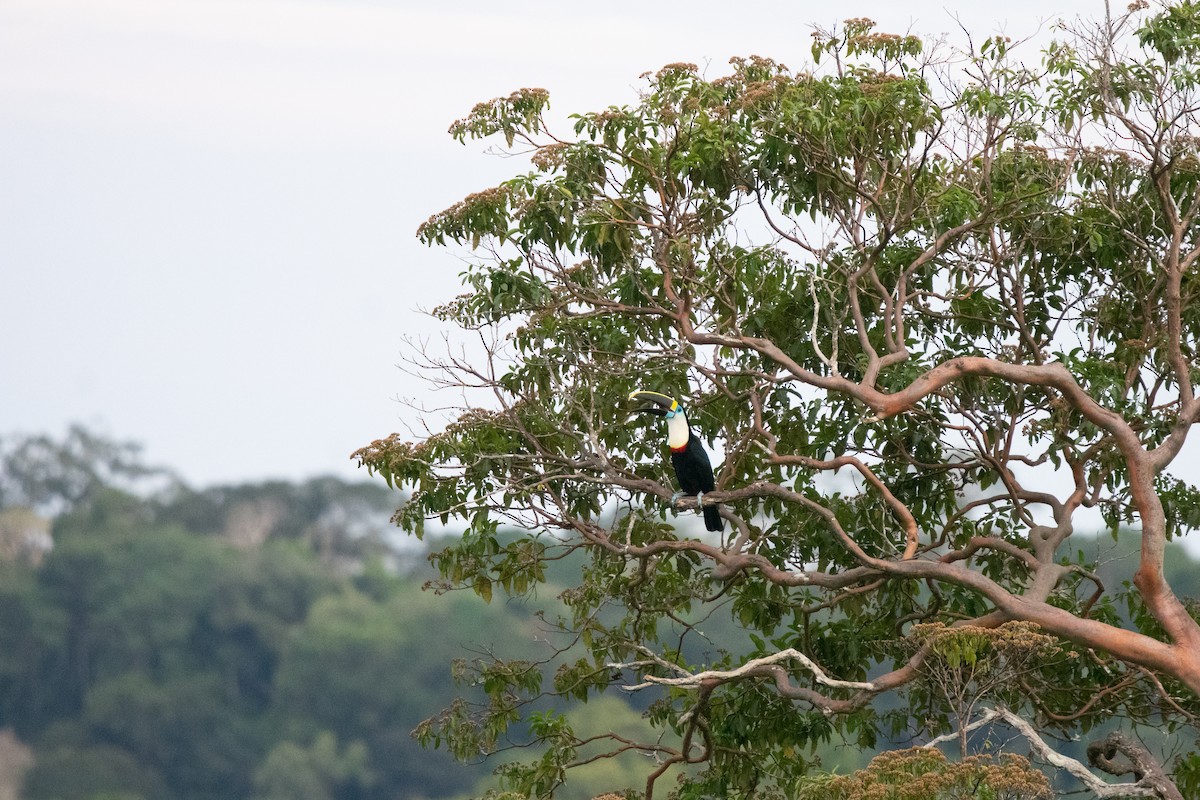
{"x":712,"y":518}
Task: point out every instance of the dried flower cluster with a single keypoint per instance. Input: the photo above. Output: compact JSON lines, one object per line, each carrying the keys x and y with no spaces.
{"x":677,"y":67}
{"x":1011,"y":638}
{"x":549,"y":156}
{"x":496,"y":196}
{"x":926,"y":774}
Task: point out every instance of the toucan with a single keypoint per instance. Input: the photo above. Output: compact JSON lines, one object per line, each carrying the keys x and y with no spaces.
{"x":693,"y":470}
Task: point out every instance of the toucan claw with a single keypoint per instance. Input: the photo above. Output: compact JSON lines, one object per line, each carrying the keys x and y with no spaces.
{"x":699,"y":500}
{"x":676,"y":497}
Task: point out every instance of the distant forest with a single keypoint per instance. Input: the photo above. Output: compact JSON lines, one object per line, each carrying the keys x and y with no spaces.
{"x":262,"y":640}
{"x":266,"y":641}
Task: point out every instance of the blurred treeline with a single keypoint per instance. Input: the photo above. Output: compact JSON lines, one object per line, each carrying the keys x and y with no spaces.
{"x":261,"y":641}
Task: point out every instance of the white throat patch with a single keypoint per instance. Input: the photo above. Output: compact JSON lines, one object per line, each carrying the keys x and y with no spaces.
{"x":677,"y":431}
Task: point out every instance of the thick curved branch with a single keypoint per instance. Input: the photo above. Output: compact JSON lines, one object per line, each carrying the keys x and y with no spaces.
{"x":901,"y":511}
{"x":898,"y":508}
{"x":992,"y":543}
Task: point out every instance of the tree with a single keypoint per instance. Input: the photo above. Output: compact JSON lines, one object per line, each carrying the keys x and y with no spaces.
{"x":939,"y":308}
{"x":87,"y":773}
{"x":292,"y":772}
{"x":40,"y":472}
{"x":361,"y":668}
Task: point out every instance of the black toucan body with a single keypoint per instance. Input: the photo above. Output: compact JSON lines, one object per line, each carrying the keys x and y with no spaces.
{"x":693,"y":469}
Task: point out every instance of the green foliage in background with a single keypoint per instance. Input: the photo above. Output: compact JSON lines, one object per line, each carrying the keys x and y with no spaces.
{"x":154,"y":653}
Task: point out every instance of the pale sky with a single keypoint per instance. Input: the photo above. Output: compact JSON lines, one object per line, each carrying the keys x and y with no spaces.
{"x":207,"y":207}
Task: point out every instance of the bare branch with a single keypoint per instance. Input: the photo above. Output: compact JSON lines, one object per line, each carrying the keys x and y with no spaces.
{"x":752,"y":667}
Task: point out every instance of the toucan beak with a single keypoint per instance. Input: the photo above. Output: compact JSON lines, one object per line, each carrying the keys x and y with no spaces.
{"x":657,"y":404}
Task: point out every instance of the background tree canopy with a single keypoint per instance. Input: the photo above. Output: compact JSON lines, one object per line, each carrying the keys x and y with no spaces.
{"x":251,"y":642}
{"x":937,"y":307}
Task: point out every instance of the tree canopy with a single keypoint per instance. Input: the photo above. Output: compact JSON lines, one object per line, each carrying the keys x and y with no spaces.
{"x":933,"y":307}
{"x":154,"y":651}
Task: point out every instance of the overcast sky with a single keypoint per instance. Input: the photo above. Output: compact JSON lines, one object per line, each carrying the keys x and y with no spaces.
{"x":207,"y":207}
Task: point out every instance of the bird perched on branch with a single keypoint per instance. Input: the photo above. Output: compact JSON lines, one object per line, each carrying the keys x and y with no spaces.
{"x":693,"y":469}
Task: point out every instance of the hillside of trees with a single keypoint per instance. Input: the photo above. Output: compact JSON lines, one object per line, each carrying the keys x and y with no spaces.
{"x":253,"y":641}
